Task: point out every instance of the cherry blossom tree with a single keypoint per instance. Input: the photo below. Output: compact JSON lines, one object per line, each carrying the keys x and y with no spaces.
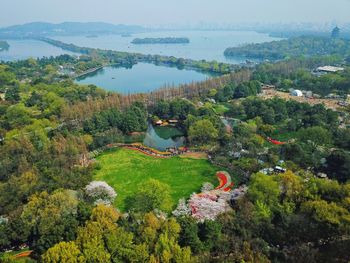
{"x":207,"y":206}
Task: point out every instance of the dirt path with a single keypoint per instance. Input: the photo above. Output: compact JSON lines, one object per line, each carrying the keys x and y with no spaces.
{"x":195,"y":155}
{"x":328,"y":103}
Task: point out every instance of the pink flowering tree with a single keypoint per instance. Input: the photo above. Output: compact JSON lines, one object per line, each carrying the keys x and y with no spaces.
{"x":207,"y":206}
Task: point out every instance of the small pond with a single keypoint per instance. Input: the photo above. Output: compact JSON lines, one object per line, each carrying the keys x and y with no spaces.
{"x":161,"y":138}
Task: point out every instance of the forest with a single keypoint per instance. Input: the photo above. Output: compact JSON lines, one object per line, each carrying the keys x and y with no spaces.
{"x":290,"y":200}
{"x":293,"y":47}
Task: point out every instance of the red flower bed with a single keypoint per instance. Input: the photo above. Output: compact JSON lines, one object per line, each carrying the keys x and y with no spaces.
{"x":275,"y":141}
{"x":23,"y":254}
{"x":227,"y":189}
{"x":225,"y":182}
{"x":222,"y":180}
{"x":152,"y":155}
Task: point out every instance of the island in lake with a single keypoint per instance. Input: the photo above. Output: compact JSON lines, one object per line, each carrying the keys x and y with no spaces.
{"x":164,"y":40}
{"x":4,"y":45}
{"x":92,"y":36}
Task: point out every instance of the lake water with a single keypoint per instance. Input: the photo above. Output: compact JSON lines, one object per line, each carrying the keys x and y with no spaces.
{"x":162,"y":138}
{"x":142,"y":77}
{"x":23,"y":49}
{"x":208,"y":45}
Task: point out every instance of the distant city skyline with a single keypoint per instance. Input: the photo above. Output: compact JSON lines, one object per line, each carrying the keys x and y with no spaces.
{"x":176,"y":13}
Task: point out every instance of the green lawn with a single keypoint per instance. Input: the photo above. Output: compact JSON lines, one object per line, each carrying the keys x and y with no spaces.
{"x":284,"y":136}
{"x":124,"y":169}
{"x":220,"y":109}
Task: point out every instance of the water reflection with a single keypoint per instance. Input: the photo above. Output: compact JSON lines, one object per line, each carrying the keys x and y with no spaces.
{"x":162,"y":138}
{"x":142,"y":77}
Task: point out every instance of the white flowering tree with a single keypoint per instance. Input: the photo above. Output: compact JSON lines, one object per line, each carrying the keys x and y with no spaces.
{"x":207,"y":187}
{"x":100,"y":192}
{"x":182,"y":208}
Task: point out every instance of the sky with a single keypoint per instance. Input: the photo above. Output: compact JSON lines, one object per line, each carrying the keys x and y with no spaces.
{"x":174,"y":12}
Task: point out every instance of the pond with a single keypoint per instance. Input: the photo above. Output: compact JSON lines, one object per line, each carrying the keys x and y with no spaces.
{"x":142,"y":77}
{"x":161,"y":138}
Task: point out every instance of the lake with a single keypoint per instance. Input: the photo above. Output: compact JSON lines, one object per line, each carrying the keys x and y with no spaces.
{"x":161,"y":138}
{"x":142,"y":77}
{"x":26,"y":48}
{"x":208,"y":45}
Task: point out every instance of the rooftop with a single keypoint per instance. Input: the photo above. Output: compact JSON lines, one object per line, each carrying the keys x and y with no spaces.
{"x":330,"y":69}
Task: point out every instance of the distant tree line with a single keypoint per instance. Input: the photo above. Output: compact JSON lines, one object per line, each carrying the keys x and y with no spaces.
{"x":4,"y":45}
{"x":125,"y":58}
{"x":293,"y":47}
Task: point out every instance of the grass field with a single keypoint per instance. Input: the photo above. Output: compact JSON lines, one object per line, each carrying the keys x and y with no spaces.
{"x":220,"y":109}
{"x":125,"y":169}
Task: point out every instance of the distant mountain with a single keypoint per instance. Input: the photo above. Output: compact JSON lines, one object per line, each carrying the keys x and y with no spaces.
{"x":67,"y":28}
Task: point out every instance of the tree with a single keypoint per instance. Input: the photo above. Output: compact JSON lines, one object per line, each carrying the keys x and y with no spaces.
{"x":182,"y":209}
{"x":325,"y":212}
{"x":12,"y":94}
{"x":202,"y":131}
{"x":316,"y":135}
{"x":7,"y":258}
{"x":6,"y":77}
{"x":336,"y":32}
{"x":121,"y":246}
{"x":134,"y":119}
{"x":63,"y":252}
{"x":151,"y":195}
{"x":291,"y":186}
{"x":17,"y":190}
{"x":180,"y":108}
{"x":264,"y":191}
{"x":90,"y":241}
{"x":17,"y":115}
{"x":100,"y":192}
{"x":51,"y":104}
{"x":189,"y":234}
{"x":51,"y":218}
{"x":338,"y":166}
{"x":207,"y":206}
{"x":210,"y":234}
{"x":161,"y":108}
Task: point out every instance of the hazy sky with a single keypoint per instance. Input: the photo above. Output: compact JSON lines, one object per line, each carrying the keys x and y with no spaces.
{"x":182,"y":12}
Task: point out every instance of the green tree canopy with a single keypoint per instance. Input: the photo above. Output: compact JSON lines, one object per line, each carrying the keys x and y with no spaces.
{"x":152,"y":195}
{"x":202,"y":131}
